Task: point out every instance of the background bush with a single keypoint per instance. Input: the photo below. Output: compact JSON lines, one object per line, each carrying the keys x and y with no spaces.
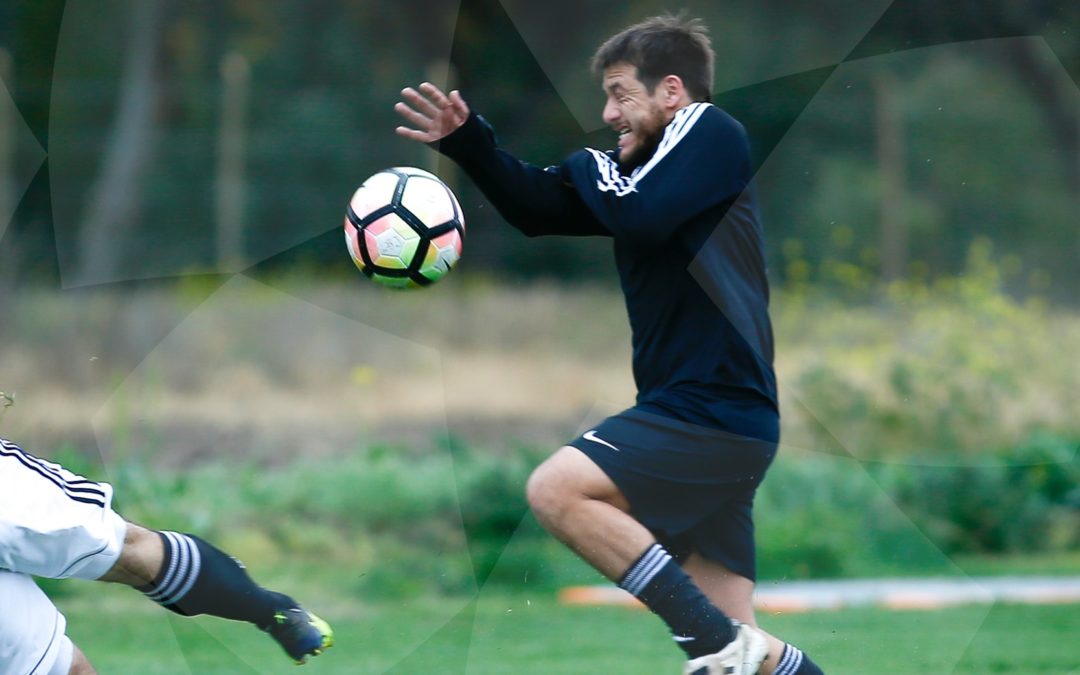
{"x":921,"y":423}
{"x":405,"y":526}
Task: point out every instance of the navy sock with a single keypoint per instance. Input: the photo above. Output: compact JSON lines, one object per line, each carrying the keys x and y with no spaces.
{"x":198,"y":578}
{"x":662,"y":585}
{"x":794,"y":662}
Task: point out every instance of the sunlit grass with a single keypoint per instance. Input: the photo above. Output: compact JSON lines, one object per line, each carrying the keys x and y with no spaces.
{"x":496,"y":634}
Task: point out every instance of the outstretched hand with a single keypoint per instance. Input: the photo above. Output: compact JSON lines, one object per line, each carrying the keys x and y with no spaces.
{"x":431,"y":114}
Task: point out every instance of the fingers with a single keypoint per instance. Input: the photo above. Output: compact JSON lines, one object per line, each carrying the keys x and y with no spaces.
{"x":431,"y":101}
{"x":425,"y":102}
{"x":430,"y":113}
{"x":412,"y":134}
{"x":413,"y":117}
{"x":438,"y":98}
{"x":459,"y":104}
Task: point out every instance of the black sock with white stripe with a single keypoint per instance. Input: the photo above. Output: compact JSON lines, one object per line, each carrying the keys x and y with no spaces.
{"x":696,"y":624}
{"x":794,"y":662}
{"x":198,"y":578}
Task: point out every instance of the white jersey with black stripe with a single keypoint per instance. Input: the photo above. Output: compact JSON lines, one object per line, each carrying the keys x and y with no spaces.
{"x":54,"y":523}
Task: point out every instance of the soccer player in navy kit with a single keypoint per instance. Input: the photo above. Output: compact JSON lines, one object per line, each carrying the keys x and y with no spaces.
{"x":658,"y":498}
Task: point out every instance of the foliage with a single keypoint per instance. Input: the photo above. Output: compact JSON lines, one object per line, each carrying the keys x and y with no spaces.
{"x":987,"y":125}
{"x":1028,"y":500}
{"x":940,"y":372}
{"x":827,"y":517}
{"x":409,"y":523}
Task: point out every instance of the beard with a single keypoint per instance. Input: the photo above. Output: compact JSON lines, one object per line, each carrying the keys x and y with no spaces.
{"x":649,"y":132}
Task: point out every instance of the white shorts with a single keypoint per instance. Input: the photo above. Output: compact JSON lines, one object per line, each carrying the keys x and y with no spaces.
{"x":54,"y":523}
{"x":32,"y":640}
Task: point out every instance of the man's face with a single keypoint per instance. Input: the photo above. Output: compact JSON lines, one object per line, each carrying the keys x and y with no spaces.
{"x":634,"y":113}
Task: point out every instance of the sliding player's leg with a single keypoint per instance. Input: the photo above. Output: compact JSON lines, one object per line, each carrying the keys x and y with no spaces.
{"x":56,"y":524}
{"x":80,"y":665}
{"x":191,"y":576}
{"x":32,"y":638}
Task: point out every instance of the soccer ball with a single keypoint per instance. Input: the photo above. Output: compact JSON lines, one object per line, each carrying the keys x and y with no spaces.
{"x":404,"y":228}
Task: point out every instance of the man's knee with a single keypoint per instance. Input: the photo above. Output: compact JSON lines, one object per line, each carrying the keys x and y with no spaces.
{"x":546,"y":492}
{"x":138,"y":540}
{"x":569,"y":477}
{"x":140,"y":560}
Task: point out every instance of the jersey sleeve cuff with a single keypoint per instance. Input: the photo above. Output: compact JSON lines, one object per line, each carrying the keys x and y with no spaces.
{"x":465,"y":141}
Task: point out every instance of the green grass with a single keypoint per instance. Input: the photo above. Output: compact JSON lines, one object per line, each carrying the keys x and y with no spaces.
{"x":1061,"y":563}
{"x":500,"y":633}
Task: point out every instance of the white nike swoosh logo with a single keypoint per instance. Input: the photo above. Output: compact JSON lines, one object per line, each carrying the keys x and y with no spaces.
{"x":682,"y":638}
{"x":590,"y":435}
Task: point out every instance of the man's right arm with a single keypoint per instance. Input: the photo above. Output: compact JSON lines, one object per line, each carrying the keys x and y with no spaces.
{"x":533,"y":200}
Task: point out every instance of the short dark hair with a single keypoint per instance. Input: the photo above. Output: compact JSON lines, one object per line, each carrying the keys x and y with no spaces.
{"x":660,"y":46}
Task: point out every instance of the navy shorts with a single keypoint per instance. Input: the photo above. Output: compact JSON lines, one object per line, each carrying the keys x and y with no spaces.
{"x":692,"y":486}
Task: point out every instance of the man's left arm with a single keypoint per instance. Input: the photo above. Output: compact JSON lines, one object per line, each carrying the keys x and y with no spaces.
{"x":702,"y":162}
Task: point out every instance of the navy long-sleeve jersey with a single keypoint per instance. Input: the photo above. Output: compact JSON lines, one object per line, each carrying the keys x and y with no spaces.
{"x":688,"y":247}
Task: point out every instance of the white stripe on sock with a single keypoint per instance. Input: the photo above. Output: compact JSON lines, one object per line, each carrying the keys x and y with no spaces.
{"x":630,"y":583}
{"x":182,"y":556}
{"x":651,"y":573}
{"x":170,"y":572}
{"x":790,"y":661}
{"x":193,"y":573}
{"x":646,"y":569}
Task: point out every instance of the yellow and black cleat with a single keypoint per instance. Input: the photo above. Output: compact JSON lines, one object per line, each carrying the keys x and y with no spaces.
{"x":301,"y":634}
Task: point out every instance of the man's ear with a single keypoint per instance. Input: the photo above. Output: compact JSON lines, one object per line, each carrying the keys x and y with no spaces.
{"x":673,"y":90}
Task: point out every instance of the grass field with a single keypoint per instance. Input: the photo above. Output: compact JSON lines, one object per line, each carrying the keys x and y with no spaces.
{"x":500,"y":633}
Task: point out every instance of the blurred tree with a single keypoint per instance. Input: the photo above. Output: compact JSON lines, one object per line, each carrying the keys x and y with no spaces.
{"x":115,"y":200}
{"x":915,"y":23}
{"x":28,"y":30}
{"x":1058,"y":105}
{"x":230,"y":190}
{"x":325,"y":74}
{"x":8,"y":120}
{"x":890,"y":152}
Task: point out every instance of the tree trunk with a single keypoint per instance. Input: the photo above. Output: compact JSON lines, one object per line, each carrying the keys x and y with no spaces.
{"x":230,"y":194}
{"x":115,"y":200}
{"x":890,"y":151}
{"x":8,"y":128}
{"x":8,"y":257}
{"x":1055,"y":96}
